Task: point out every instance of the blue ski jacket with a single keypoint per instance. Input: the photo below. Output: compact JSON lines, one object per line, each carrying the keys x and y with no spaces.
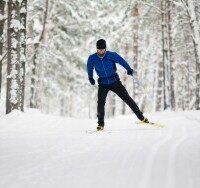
{"x":105,"y":66}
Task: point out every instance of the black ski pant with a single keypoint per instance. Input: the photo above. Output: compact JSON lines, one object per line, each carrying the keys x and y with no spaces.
{"x":121,"y":91}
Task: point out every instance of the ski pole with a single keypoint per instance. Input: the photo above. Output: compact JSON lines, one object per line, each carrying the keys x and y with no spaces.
{"x":139,"y":84}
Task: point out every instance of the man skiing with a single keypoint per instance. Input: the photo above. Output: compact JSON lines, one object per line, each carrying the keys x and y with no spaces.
{"x":104,"y":64}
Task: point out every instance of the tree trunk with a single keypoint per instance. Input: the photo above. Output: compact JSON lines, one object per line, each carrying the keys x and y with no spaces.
{"x":196,"y":41}
{"x":13,"y":67}
{"x":113,"y":105}
{"x":163,"y":52}
{"x":34,"y":101}
{"x":2,"y":7}
{"x":123,"y":103}
{"x":187,"y":88}
{"x":159,"y":105}
{"x":62,"y":106}
{"x":23,"y":16}
{"x":165,"y":55}
{"x":171,"y":55}
{"x":135,"y":42}
{"x":125,"y":77}
{"x":16,"y":55}
{"x":190,"y":8}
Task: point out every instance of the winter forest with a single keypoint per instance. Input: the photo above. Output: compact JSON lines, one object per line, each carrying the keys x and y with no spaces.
{"x":48,"y":107}
{"x":44,"y":46}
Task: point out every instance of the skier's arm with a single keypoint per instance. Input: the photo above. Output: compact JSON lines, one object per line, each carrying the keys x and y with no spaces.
{"x":90,"y":67}
{"x":122,"y":62}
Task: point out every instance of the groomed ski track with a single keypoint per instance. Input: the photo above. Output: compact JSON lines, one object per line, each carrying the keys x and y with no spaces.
{"x":48,"y":152}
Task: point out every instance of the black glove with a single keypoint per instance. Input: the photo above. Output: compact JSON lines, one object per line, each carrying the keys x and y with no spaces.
{"x":92,"y":81}
{"x":130,"y":72}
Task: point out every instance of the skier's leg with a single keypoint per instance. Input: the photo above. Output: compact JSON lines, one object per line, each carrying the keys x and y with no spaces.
{"x":121,"y":91}
{"x":102,"y":94}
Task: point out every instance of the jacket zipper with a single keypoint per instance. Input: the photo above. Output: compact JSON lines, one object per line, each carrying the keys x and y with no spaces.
{"x":104,"y":69}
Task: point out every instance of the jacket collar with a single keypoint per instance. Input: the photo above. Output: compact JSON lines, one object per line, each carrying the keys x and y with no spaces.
{"x":101,"y":57}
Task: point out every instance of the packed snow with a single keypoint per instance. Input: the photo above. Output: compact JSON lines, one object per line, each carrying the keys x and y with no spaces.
{"x":42,"y":151}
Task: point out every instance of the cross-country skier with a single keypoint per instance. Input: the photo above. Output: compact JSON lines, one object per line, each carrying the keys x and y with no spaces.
{"x":104,"y":64}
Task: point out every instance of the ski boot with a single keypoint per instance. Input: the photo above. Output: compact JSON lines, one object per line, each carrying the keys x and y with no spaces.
{"x":100,"y":128}
{"x":145,"y":120}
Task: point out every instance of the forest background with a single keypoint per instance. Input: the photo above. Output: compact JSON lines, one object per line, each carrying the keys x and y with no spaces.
{"x":44,"y":46}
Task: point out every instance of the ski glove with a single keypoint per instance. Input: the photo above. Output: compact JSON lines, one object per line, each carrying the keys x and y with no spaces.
{"x":92,"y":81}
{"x":130,"y":72}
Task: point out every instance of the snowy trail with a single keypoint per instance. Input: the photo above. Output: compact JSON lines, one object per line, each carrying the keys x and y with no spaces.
{"x":47,"y":152}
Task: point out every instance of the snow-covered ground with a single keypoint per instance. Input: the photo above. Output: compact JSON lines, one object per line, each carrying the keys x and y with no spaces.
{"x":40,"y":151}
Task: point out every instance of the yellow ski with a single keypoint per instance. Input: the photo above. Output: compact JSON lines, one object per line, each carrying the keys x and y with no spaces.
{"x":151,"y":123}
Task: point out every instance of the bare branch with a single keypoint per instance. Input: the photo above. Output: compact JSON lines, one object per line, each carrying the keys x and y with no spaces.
{"x":3,"y":56}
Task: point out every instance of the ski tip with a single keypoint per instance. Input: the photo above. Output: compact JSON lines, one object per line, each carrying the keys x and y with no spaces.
{"x":151,"y":123}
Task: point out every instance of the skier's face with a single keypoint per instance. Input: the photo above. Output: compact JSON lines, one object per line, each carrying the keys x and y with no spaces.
{"x":101,"y":52}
